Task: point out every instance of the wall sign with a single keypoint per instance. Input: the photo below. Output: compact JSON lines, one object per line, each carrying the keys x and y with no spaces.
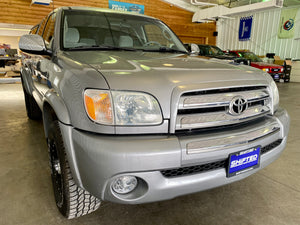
{"x":127,"y":7}
{"x":245,"y":28}
{"x":287,"y":23}
{"x":41,"y":2}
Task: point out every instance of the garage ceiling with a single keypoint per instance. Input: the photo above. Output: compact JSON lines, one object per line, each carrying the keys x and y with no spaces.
{"x":236,"y":3}
{"x":191,"y":6}
{"x":211,"y":10}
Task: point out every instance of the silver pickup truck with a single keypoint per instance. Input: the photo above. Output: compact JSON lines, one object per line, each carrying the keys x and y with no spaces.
{"x":130,"y":117}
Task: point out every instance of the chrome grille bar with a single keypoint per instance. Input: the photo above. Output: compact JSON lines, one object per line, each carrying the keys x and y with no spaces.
{"x":218,"y":119}
{"x":208,"y":109}
{"x":213,"y":100}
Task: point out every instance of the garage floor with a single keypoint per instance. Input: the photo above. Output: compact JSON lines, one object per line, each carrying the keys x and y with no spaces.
{"x":271,"y":196}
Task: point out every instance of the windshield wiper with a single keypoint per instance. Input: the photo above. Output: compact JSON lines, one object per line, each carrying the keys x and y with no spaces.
{"x":93,"y":47}
{"x":165,"y":49}
{"x":101,"y":47}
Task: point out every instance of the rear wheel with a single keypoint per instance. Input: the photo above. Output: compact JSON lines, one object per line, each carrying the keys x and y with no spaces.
{"x":71,"y":200}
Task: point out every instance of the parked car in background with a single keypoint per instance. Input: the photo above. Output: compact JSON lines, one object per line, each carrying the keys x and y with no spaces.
{"x":276,"y":71}
{"x":130,"y":117}
{"x":213,"y":51}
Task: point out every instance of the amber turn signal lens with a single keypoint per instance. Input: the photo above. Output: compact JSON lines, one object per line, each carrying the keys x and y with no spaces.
{"x":98,"y":106}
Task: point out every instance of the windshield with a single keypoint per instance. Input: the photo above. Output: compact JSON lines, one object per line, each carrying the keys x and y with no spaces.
{"x":207,"y":50}
{"x":251,"y":56}
{"x":104,"y":30}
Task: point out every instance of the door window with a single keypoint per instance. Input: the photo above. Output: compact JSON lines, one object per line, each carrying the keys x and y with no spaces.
{"x":48,"y":33}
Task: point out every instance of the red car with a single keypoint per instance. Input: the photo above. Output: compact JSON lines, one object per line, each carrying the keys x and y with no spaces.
{"x":274,"y":70}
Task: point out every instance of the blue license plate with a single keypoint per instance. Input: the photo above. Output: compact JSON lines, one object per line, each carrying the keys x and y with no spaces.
{"x":243,"y":161}
{"x":276,"y":76}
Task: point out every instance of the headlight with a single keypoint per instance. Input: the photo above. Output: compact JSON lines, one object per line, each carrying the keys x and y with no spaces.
{"x":98,"y":106}
{"x":122,"y":108}
{"x":265,"y":69}
{"x":275,"y":96}
{"x":281,"y":70}
{"x":135,"y":108}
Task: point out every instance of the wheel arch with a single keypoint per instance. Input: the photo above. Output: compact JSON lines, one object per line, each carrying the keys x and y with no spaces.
{"x":54,"y":109}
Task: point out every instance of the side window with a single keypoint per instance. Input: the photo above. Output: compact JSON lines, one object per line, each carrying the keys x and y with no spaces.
{"x":42,"y":26}
{"x":34,"y":29}
{"x":49,"y":29}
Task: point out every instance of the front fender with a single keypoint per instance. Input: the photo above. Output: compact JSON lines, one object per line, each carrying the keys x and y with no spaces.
{"x":26,"y":79}
{"x":53,"y":99}
{"x":54,"y":108}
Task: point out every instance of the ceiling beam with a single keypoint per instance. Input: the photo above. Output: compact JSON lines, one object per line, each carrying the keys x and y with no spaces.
{"x":220,"y":10}
{"x":182,"y":4}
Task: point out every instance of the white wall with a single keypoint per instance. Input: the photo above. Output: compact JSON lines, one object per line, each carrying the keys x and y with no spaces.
{"x":7,"y":29}
{"x":263,"y":35}
{"x":13,"y":41}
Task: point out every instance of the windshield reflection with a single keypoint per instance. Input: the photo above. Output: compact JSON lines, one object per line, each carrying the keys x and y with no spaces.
{"x":94,"y":30}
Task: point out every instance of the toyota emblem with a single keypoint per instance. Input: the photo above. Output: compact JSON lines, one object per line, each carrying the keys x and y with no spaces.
{"x":238,"y":105}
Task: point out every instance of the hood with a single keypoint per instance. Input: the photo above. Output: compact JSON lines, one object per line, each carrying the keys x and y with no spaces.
{"x":265,"y":65}
{"x":125,"y":69}
{"x":162,"y":74}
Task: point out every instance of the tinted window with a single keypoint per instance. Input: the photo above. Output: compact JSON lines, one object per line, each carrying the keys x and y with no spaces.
{"x":208,"y":50}
{"x":251,"y":56}
{"x":232,"y":54}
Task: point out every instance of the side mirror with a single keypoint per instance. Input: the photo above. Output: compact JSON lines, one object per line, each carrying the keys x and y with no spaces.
{"x":33,"y":44}
{"x":195,"y":49}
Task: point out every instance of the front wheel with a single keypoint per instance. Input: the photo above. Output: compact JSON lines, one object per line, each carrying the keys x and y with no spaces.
{"x":71,"y":200}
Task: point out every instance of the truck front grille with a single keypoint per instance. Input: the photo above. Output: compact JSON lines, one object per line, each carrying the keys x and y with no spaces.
{"x":275,"y":70}
{"x":189,"y":170}
{"x":212,"y":108}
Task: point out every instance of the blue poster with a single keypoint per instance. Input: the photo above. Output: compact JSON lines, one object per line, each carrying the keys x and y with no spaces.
{"x":127,"y":7}
{"x":245,"y":28}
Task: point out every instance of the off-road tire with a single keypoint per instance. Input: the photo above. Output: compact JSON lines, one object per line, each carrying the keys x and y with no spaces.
{"x":71,"y":200}
{"x":32,"y":108}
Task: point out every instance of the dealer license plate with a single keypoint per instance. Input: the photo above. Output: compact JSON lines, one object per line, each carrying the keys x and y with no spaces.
{"x":243,"y":161}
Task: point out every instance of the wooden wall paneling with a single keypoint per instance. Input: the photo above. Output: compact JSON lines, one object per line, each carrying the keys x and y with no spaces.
{"x":20,"y":12}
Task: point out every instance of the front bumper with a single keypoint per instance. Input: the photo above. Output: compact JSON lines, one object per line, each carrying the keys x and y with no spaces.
{"x":277,"y":76}
{"x":96,"y":160}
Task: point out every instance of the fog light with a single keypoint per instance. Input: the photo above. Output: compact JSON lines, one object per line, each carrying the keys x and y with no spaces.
{"x":124,"y":184}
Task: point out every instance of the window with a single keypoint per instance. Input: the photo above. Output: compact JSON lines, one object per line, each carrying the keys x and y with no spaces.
{"x":48,"y":33}
{"x":108,"y":30}
{"x":155,"y":34}
{"x":42,"y":26}
{"x":34,"y":29}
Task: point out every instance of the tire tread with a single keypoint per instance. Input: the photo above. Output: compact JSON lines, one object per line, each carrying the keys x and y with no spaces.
{"x":78,"y":202}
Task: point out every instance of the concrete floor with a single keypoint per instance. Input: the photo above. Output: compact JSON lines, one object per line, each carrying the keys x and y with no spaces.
{"x":271,"y":196}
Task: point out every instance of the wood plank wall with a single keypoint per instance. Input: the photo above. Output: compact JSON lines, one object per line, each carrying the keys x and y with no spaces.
{"x":20,"y":12}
